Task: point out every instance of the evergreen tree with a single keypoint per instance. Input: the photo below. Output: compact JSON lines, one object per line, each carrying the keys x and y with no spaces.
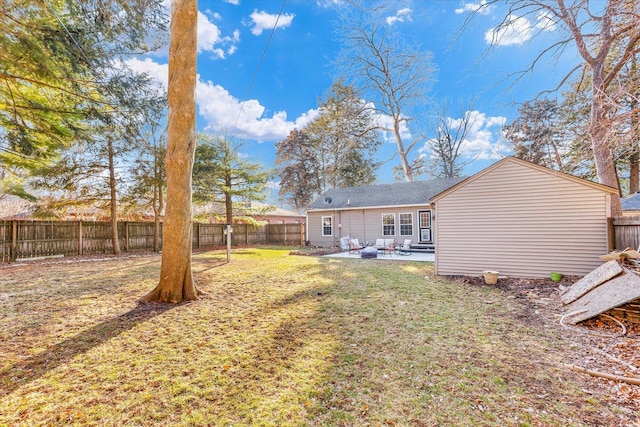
{"x":221,"y":175}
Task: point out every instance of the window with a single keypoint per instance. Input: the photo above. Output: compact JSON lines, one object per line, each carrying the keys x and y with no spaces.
{"x":388,"y":224}
{"x":406,"y":224}
{"x":327,"y":226}
{"x":425,"y":219}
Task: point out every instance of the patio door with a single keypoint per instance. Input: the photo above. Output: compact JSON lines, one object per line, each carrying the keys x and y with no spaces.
{"x":424,"y":226}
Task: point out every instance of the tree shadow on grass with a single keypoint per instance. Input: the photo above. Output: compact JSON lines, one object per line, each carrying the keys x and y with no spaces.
{"x":35,"y":367}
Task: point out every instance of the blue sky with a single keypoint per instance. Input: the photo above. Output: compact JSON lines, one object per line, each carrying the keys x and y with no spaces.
{"x":260,"y":106}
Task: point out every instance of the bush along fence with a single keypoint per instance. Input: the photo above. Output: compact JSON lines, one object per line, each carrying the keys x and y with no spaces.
{"x":22,"y":240}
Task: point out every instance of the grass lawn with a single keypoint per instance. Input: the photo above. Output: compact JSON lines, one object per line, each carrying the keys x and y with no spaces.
{"x":280,"y":340}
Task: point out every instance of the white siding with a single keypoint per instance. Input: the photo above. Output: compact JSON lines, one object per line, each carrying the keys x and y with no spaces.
{"x":522,"y":222}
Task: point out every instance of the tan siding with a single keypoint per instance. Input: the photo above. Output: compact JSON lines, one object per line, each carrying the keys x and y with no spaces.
{"x":314,"y":230}
{"x":352,"y":224}
{"x":522,"y":222}
{"x":364,"y":224}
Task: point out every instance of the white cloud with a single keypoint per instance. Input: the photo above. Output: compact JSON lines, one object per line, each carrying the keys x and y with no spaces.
{"x":401,"y":15}
{"x":233,"y":2}
{"x":386,"y":122}
{"x":480,"y":8}
{"x":210,"y":39}
{"x":483,"y":139}
{"x":517,"y":30}
{"x":329,"y":3}
{"x":222,"y":111}
{"x":225,"y":113}
{"x":266,"y":21}
{"x":158,"y":72}
{"x":545,"y":22}
{"x":273,"y":185}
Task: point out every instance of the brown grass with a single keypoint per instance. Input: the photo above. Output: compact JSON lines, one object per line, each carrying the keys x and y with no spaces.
{"x":280,"y":340}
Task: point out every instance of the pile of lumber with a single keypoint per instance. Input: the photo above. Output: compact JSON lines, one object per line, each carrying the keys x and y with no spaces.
{"x":612,"y":287}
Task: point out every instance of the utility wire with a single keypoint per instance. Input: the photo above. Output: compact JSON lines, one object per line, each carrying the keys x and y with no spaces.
{"x":264,"y":52}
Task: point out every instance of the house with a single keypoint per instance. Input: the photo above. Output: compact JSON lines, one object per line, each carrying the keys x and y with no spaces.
{"x":275,"y":215}
{"x":631,"y":205}
{"x":399,"y":211}
{"x":522,"y":220}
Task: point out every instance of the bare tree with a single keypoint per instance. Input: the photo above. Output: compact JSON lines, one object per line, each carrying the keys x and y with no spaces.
{"x":607,"y":36}
{"x":447,"y":146}
{"x":395,"y":75}
{"x":176,"y":278}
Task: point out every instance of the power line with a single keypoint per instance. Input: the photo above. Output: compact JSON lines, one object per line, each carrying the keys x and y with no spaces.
{"x":264,"y":52}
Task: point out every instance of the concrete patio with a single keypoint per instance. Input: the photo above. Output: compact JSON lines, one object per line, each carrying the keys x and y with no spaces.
{"x":413,"y":256}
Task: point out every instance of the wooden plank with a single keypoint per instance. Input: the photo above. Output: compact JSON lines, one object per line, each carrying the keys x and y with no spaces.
{"x":598,"y":276}
{"x":611,"y":294}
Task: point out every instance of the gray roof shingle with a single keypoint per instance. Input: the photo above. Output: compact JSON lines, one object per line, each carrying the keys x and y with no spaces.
{"x":631,"y":203}
{"x":397,"y":194}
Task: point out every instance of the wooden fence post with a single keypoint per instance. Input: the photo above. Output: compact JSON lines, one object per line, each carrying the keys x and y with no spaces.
{"x":80,"y":237}
{"x":14,"y":240}
{"x":126,"y":236}
{"x":611,"y":235}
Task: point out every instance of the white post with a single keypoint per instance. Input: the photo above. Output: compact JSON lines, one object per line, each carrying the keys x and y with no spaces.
{"x":228,"y":232}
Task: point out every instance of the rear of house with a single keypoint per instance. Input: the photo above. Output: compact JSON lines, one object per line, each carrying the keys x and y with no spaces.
{"x":522,"y":220}
{"x":393,"y":211}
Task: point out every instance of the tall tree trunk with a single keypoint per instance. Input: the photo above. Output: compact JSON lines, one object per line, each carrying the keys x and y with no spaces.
{"x":406,"y":167}
{"x":176,"y":279}
{"x":605,"y":166}
{"x":634,"y":159}
{"x":228,"y":205}
{"x":157,"y":199}
{"x":634,"y":170}
{"x":113,"y":202}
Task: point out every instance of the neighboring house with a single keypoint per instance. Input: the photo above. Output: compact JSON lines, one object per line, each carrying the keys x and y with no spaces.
{"x":13,"y":207}
{"x":248,"y":212}
{"x":522,"y":220}
{"x":397,"y":211}
{"x":277,"y":215}
{"x":631,"y":205}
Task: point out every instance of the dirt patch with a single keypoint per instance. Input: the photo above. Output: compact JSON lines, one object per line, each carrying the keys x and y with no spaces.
{"x":315,"y":251}
{"x":598,"y":344}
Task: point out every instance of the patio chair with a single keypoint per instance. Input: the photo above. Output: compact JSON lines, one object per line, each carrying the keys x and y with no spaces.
{"x":379,"y":245}
{"x":354,"y":246}
{"x":390,"y":246}
{"x":386,"y":246}
{"x":405,"y":248}
{"x":344,"y":242}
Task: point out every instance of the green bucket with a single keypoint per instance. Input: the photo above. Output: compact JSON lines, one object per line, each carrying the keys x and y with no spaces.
{"x":556,"y":277}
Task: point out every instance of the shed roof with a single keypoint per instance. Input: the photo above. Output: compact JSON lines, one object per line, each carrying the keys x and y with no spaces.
{"x":371,"y":196}
{"x":525,"y":163}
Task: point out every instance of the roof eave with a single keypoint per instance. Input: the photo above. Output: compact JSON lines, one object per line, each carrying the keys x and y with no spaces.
{"x":348,"y":208}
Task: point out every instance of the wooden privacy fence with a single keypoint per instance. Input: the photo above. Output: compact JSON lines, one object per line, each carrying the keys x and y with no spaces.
{"x":626,"y":232}
{"x":32,"y":239}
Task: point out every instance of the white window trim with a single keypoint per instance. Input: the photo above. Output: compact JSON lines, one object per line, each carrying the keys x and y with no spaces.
{"x":322,"y":226}
{"x":400,"y":223}
{"x":394,"y":224}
